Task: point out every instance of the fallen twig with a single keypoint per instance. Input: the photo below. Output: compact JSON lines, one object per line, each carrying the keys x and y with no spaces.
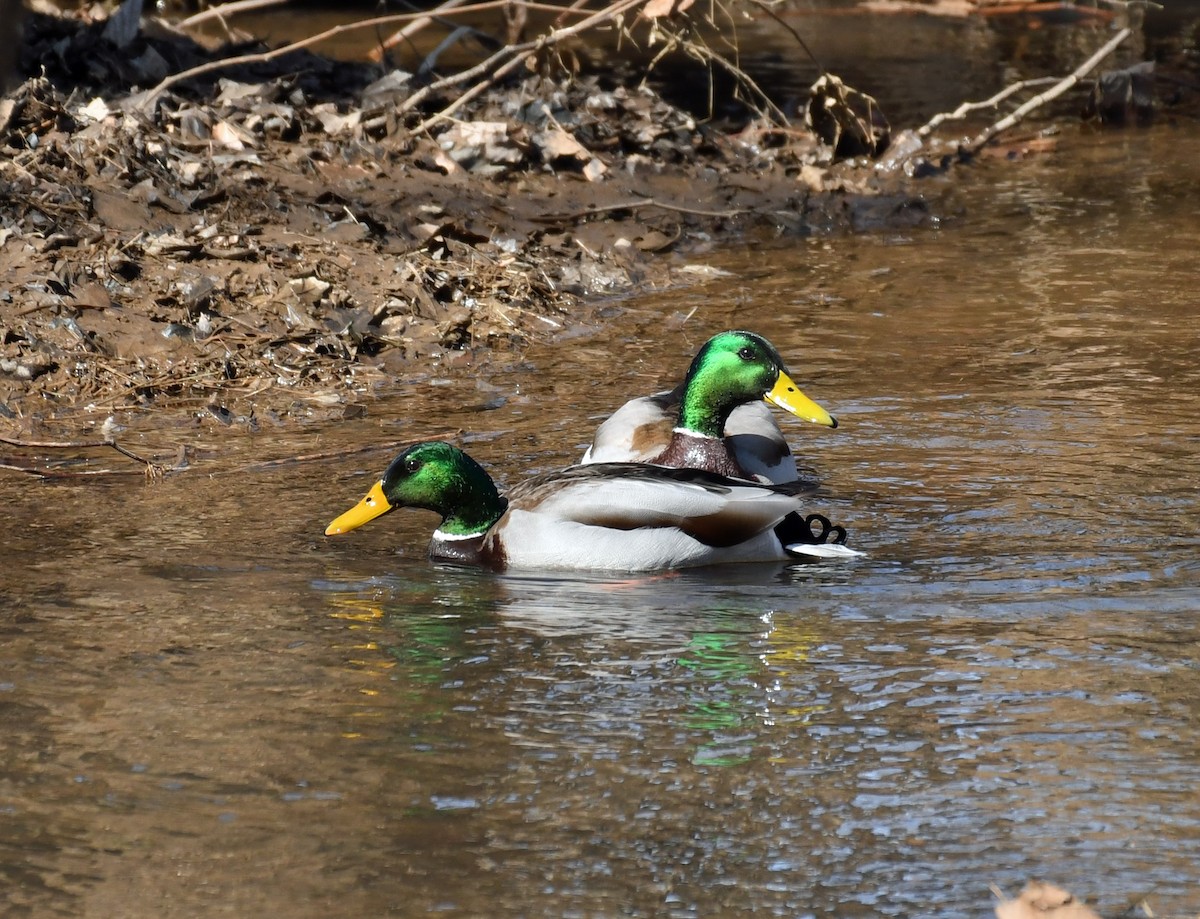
{"x":779,"y":20}
{"x":711,"y":57}
{"x":967,"y":107}
{"x":44,"y":472}
{"x":156,"y":471}
{"x":145,"y":100}
{"x":264,"y":465}
{"x":633,"y":205}
{"x":1049,"y":95}
{"x":222,"y":10}
{"x":417,"y":25}
{"x":1026,"y":8}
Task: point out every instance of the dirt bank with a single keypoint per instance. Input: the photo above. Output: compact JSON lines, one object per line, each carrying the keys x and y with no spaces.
{"x":273,"y":237}
{"x":290,"y":235}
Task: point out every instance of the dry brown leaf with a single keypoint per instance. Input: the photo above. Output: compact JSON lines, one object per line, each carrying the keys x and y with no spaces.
{"x":96,"y":110}
{"x":309,"y":289}
{"x":92,"y":294}
{"x":658,"y":9}
{"x":814,"y":177}
{"x":480,"y":146}
{"x":224,"y":134}
{"x":443,"y":161}
{"x":476,"y":133}
{"x":556,"y":143}
{"x":333,"y":121}
{"x":1040,"y":900}
{"x":594,"y":169}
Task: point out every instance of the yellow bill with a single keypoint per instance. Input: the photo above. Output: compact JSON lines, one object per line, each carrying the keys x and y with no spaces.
{"x":786,"y":394}
{"x":370,"y":507}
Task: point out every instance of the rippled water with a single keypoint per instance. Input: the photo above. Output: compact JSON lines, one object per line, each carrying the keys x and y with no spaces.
{"x":209,"y":709}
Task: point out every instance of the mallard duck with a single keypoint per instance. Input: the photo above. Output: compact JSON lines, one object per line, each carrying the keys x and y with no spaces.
{"x":607,"y":516}
{"x":716,"y":419}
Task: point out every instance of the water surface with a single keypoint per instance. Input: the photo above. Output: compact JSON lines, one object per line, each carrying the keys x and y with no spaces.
{"x":211,"y":710}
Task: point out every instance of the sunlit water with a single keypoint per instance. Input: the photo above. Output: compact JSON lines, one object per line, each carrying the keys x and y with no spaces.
{"x":210,"y":710}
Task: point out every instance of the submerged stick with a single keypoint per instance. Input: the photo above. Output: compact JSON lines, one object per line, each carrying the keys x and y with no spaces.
{"x":264,"y":465}
{"x":152,"y":470}
{"x":634,"y":205}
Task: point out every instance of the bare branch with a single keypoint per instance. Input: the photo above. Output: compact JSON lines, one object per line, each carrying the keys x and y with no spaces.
{"x":744,"y":78}
{"x":517,"y":55}
{"x":417,"y":25}
{"x":222,"y":10}
{"x":145,"y":100}
{"x":770,"y":11}
{"x":1053,"y":93}
{"x":967,"y":107}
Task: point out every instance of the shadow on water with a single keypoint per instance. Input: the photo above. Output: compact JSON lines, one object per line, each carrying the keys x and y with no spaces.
{"x":209,"y":709}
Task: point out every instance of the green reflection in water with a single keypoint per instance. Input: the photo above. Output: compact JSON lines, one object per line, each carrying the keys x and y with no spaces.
{"x":721,"y":663}
{"x":404,"y":639}
{"x":737,"y":675}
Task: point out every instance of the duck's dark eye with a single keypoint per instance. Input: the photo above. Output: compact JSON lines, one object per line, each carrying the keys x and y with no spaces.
{"x":746,"y":353}
{"x":412,"y":464}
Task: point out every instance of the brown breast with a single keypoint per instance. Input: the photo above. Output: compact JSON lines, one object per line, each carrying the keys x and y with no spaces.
{"x":688,"y":452}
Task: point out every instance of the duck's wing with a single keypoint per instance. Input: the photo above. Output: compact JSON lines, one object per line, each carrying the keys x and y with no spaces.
{"x":758,"y":445}
{"x":712,"y":509}
{"x":636,"y":432}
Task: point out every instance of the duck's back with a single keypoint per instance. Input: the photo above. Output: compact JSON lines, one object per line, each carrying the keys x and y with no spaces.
{"x":640,"y":430}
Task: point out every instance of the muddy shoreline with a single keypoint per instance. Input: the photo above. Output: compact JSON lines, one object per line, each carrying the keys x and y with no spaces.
{"x":275,"y":239}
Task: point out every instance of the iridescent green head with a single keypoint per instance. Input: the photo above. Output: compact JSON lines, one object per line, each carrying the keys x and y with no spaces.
{"x":733,"y":368}
{"x":435,"y":476}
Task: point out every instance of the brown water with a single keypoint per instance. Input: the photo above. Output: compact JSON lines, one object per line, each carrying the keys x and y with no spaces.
{"x":210,"y":710}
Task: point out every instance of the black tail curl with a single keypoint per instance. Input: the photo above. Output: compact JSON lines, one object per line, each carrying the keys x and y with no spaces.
{"x":813,"y":530}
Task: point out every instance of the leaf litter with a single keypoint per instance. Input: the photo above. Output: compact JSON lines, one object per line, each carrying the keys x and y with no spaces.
{"x":286,"y":234}
{"x":277,"y":232}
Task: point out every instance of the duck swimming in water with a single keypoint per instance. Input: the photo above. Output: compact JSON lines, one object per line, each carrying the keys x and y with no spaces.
{"x":601,"y":517}
{"x":717,"y":419}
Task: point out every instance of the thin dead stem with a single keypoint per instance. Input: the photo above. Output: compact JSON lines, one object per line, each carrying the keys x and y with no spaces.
{"x":417,"y":25}
{"x":496,"y":66}
{"x":223,"y":10}
{"x":470,"y":83}
{"x":146,"y":100}
{"x":711,"y":57}
{"x":770,"y":11}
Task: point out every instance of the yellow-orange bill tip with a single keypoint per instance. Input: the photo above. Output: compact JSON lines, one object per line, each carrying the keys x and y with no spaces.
{"x":370,"y":507}
{"x":786,"y":394}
